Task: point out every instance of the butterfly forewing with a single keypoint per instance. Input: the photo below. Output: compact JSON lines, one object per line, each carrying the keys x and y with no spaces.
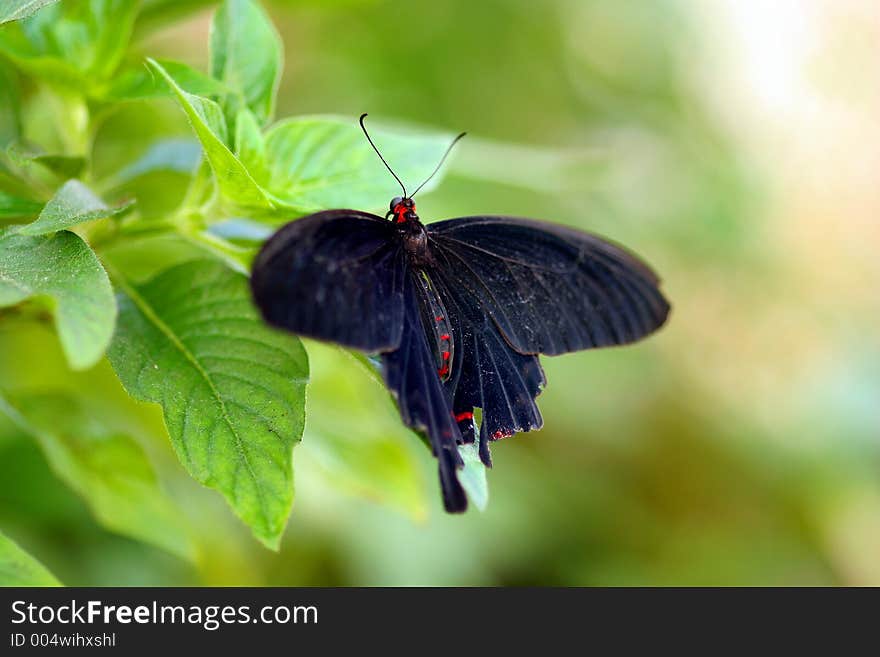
{"x":549,"y":289}
{"x":460,"y":324}
{"x":335,"y":276}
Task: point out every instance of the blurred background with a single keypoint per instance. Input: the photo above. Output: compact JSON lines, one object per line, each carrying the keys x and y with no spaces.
{"x":734,"y":144}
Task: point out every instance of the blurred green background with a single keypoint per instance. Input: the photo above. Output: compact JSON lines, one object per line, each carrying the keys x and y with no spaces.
{"x":733,"y":144}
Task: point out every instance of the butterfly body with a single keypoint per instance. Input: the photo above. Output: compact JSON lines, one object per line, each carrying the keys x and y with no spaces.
{"x":413,"y":235}
{"x":458,"y":309}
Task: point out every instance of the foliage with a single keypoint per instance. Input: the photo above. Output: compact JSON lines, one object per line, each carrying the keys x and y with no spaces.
{"x":231,"y":389}
{"x":18,"y":568}
{"x":109,"y":470}
{"x":737,"y":446}
{"x":184,"y":333}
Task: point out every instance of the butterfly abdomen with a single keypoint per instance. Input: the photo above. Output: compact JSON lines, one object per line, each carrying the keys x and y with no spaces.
{"x":438,"y":326}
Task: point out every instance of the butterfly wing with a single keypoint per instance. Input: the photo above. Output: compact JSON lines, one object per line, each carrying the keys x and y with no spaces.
{"x":335,"y":276}
{"x":411,"y":374}
{"x":487,"y":373}
{"x":515,"y":288}
{"x":341,"y":276}
{"x":548,"y":288}
{"x":463,"y":332}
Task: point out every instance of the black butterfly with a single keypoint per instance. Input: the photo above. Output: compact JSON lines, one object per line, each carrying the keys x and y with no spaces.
{"x":459,"y":309}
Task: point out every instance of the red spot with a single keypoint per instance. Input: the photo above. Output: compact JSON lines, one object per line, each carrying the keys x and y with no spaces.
{"x":467,"y":415}
{"x":400,"y":211}
{"x":443,"y":371}
{"x":445,"y":336}
{"x":498,"y":435}
{"x":439,"y":318}
{"x":445,"y":355}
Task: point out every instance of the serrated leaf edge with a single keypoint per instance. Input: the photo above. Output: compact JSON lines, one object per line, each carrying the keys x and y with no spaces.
{"x":166,"y":331}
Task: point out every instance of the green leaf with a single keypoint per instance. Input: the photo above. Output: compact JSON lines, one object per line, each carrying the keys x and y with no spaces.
{"x":202,"y":188}
{"x":178,"y":155}
{"x":62,"y":267}
{"x":232,"y":390}
{"x":141,"y":83}
{"x":207,"y":121}
{"x":73,"y":204}
{"x":246,"y":55}
{"x":204,"y":114}
{"x":74,"y":44}
{"x":15,"y":10}
{"x":12,"y":207}
{"x":143,"y":256}
{"x":473,"y":476}
{"x":109,"y":471}
{"x":238,"y":258}
{"x":545,"y":170}
{"x":250,"y":147}
{"x":64,"y":166}
{"x":320,"y":162}
{"x":18,"y":568}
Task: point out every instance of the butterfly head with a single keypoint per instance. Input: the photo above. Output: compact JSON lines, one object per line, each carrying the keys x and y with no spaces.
{"x":403,"y":209}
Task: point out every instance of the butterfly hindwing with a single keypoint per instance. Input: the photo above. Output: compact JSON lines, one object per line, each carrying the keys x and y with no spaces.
{"x":459,"y":327}
{"x":548,"y":288}
{"x":425,"y":403}
{"x":488,"y":373}
{"x":334,"y":276}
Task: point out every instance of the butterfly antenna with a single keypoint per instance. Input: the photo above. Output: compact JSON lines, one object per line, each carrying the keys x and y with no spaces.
{"x":439,"y":164}
{"x":391,"y":171}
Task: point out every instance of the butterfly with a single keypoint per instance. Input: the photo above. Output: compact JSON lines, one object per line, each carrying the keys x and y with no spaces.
{"x":458,"y":310}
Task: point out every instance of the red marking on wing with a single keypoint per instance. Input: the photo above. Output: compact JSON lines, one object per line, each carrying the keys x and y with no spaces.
{"x":445,"y":336}
{"x":445,"y":355}
{"x":498,"y":435}
{"x":443,"y":371}
{"x":467,"y":415}
{"x":439,"y":318}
